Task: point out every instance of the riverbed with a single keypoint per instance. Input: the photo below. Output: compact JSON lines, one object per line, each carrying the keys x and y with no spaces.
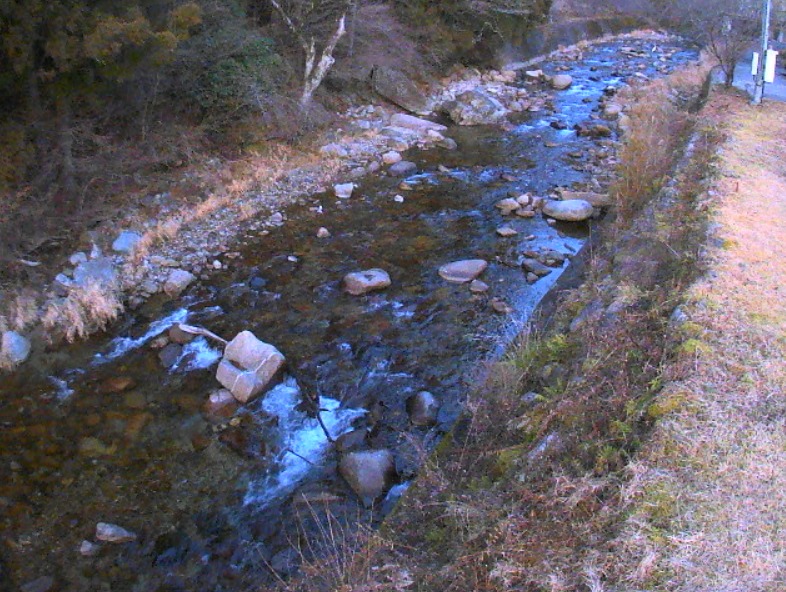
{"x":103,"y":431}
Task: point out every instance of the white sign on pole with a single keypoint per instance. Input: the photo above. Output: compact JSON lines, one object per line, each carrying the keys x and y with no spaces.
{"x":769,"y":66}
{"x":755,"y":64}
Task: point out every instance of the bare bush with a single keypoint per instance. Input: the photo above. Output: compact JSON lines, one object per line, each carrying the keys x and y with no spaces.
{"x":85,"y":309}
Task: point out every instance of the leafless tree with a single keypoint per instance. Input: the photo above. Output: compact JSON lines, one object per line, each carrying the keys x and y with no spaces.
{"x":310,"y":21}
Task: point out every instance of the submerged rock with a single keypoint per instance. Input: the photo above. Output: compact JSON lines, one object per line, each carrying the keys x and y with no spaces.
{"x":369,"y":473}
{"x":358,"y":283}
{"x":423,"y":409}
{"x":461,"y":272}
{"x":249,"y":367}
{"x":112,"y":533}
{"x":571,"y":210}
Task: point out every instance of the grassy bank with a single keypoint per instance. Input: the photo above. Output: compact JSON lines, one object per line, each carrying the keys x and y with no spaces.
{"x":528,"y":491}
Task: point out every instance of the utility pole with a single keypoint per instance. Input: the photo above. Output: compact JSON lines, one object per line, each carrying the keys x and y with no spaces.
{"x":758,"y":92}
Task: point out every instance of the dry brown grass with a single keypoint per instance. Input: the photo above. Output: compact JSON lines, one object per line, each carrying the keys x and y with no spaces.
{"x":658,"y":123}
{"x":708,"y":496}
{"x":85,"y":310}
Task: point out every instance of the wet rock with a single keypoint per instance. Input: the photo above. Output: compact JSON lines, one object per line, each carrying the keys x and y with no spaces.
{"x":572,"y":210}
{"x":89,"y":549}
{"x":177,"y":335}
{"x":249,"y":366}
{"x":416,"y":123}
{"x":391,"y":157}
{"x":594,"y":131}
{"x":112,"y":533}
{"x":323,"y":233}
{"x":561,"y":81}
{"x":126,"y":242}
{"x":499,"y":306}
{"x":334,"y":151}
{"x":170,"y":354}
{"x":362,"y":282}
{"x":476,"y":107}
{"x":177,"y":281}
{"x":369,"y":473}
{"x":220,"y":404}
{"x":344,"y":190}
{"x":400,"y":90}
{"x":461,"y":272}
{"x":506,"y":231}
{"x":42,"y":584}
{"x":403,"y":168}
{"x":536,"y":267}
{"x":14,"y":347}
{"x":99,"y":271}
{"x":423,"y":409}
{"x":351,"y":440}
{"x":478,"y":287}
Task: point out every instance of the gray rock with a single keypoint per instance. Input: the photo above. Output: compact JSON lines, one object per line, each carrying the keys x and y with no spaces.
{"x":400,"y":90}
{"x":170,"y":354}
{"x":100,"y":271}
{"x":42,"y":584}
{"x":476,"y":107}
{"x":177,"y":281}
{"x":323,"y":232}
{"x":423,"y":409}
{"x":77,"y":258}
{"x":561,"y":81}
{"x":362,"y":282}
{"x":391,"y":157}
{"x":112,"y":533}
{"x":462,"y":272}
{"x":369,"y":473}
{"x":507,"y":206}
{"x":403,"y":168}
{"x":177,"y":335}
{"x":536,"y":267}
{"x":448,"y":144}
{"x":478,"y":287}
{"x":344,"y":190}
{"x":506,"y":231}
{"x":249,"y":367}
{"x":416,"y":123}
{"x":571,"y":210}
{"x":334,"y":150}
{"x":126,"y":241}
{"x":15,"y":347}
{"x":89,"y":549}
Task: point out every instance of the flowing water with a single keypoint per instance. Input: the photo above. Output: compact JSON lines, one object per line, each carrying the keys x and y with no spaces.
{"x":101,"y":431}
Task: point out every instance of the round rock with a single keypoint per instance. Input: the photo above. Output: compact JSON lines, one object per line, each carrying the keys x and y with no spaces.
{"x":369,"y":473}
{"x":571,"y":210}
{"x":561,"y":81}
{"x":403,"y":168}
{"x":462,"y":272}
{"x":361,"y":282}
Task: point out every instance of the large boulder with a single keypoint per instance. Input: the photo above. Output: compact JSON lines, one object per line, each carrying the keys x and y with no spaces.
{"x":569,"y":210}
{"x":462,"y":272}
{"x":369,"y":473}
{"x":400,"y":90}
{"x":416,"y":123}
{"x":358,"y":283}
{"x":249,"y":367}
{"x":14,"y":347}
{"x":476,"y":107}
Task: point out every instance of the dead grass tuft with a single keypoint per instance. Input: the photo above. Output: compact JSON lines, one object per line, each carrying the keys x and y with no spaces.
{"x":85,"y":310}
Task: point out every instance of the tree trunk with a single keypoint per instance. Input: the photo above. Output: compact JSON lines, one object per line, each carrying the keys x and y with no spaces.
{"x":316,"y":74}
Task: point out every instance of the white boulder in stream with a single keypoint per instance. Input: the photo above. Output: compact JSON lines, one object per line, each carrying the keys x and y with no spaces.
{"x":249,"y":367}
{"x":569,"y":210}
{"x":14,"y":347}
{"x":462,"y":272}
{"x":561,"y":81}
{"x":369,"y":473}
{"x":358,"y":283}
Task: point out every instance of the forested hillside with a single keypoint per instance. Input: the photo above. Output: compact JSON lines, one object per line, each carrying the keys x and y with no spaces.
{"x":96,"y":95}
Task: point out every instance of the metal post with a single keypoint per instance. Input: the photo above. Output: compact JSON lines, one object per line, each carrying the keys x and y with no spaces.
{"x":758,"y":92}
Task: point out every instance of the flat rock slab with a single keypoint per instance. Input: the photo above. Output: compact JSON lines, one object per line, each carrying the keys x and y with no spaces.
{"x":416,"y":123}
{"x":569,"y":210}
{"x":358,"y":283}
{"x":462,"y":272}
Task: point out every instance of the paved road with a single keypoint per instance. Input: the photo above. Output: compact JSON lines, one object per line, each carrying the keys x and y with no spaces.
{"x":744,"y":80}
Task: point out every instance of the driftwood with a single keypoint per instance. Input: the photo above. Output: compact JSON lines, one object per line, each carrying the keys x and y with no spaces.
{"x":201,"y":331}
